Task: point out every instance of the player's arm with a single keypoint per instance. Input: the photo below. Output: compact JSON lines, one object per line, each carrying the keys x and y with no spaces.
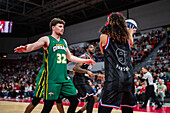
{"x":73,"y":58}
{"x":142,"y":79}
{"x":130,"y":41}
{"x":103,"y":41}
{"x":42,"y":42}
{"x":77,"y":68}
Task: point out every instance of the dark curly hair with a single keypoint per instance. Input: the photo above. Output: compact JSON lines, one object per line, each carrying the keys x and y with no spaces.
{"x":116,"y":29}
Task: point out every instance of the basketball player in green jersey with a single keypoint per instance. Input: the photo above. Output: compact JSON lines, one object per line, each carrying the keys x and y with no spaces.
{"x":54,"y":79}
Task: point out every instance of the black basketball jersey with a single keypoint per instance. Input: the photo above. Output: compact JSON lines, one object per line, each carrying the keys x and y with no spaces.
{"x":82,"y":78}
{"x":118,"y":65}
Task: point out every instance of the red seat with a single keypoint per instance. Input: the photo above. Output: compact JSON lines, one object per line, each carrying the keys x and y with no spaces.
{"x":168,"y":86}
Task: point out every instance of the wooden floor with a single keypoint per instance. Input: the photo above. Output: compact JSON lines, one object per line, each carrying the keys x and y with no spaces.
{"x":18,"y":107}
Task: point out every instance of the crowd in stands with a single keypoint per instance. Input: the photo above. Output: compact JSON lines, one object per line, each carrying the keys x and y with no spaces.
{"x":160,"y":70}
{"x":144,"y":46}
{"x":17,"y":78}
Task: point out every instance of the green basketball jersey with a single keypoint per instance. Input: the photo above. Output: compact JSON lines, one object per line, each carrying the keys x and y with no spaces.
{"x":54,"y":68}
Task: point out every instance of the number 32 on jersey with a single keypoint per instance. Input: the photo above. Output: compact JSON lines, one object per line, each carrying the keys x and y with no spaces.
{"x":61,"y":58}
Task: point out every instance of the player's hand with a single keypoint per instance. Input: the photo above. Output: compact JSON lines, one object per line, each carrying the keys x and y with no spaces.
{"x":20,"y":49}
{"x":131,"y":30}
{"x":90,"y":74}
{"x":90,"y":62}
{"x":136,"y":75}
{"x":100,"y":76}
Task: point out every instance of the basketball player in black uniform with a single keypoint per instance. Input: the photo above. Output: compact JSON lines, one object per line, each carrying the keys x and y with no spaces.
{"x":119,"y":79}
{"x":80,"y":80}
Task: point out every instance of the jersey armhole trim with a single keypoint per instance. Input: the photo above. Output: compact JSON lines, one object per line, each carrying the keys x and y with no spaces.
{"x":64,"y":42}
{"x":129,"y":45}
{"x":107,"y":43}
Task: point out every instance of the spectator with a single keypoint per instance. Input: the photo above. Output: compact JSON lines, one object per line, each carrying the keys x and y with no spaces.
{"x":10,"y":91}
{"x":142,"y":94}
{"x":161,"y":90}
{"x":16,"y":89}
{"x":31,"y":91}
{"x":165,"y":78}
{"x":26,"y":94}
{"x":0,"y":90}
{"x":4,"y":90}
{"x":159,"y":73}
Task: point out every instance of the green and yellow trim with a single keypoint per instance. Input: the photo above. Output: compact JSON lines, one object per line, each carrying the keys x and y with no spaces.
{"x":46,"y":75}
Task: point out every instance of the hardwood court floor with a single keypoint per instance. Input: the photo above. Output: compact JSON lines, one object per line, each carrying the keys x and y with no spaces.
{"x":19,"y":107}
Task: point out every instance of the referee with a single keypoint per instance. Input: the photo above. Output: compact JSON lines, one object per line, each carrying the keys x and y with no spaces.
{"x":147,"y":77}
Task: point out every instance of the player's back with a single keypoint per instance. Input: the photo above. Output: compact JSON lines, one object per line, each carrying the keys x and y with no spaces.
{"x":118,"y":65}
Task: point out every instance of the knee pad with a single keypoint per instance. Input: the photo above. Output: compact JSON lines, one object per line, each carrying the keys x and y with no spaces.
{"x":35,"y":101}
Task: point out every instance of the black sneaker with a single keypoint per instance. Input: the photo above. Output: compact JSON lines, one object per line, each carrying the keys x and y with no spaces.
{"x":159,"y":107}
{"x":142,"y":107}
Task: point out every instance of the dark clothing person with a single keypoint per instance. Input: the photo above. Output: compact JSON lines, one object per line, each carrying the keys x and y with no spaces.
{"x":147,"y":77}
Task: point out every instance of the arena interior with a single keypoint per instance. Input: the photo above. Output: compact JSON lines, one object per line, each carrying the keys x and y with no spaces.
{"x":28,"y":20}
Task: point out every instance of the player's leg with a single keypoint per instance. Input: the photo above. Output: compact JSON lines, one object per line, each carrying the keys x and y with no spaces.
{"x":48,"y":104}
{"x":85,"y":105}
{"x":60,"y":105}
{"x":128,"y":102}
{"x":83,"y":108}
{"x":88,"y":106}
{"x":102,"y":109}
{"x":32,"y":105}
{"x":29,"y":108}
{"x":107,"y":102}
{"x":73,"y":103}
{"x":69,"y":91}
{"x":90,"y":103}
{"x":36,"y":99}
{"x":51,"y":93}
{"x":85,"y":91}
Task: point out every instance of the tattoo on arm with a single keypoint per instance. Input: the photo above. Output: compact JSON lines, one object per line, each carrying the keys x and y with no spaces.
{"x":77,"y":67}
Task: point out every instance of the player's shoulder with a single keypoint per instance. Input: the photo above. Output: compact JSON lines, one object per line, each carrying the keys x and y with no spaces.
{"x":103,"y":37}
{"x":45,"y":38}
